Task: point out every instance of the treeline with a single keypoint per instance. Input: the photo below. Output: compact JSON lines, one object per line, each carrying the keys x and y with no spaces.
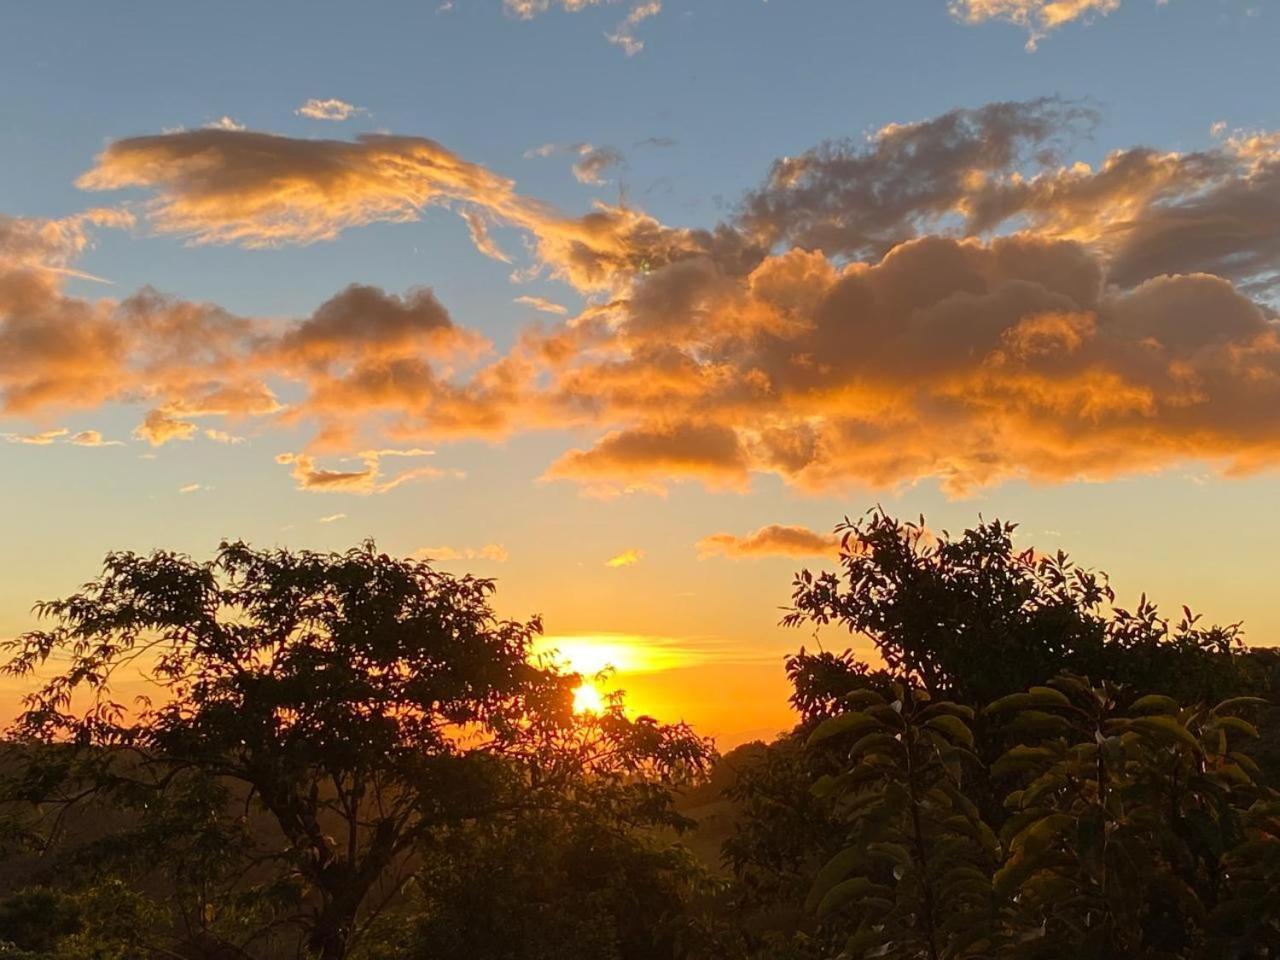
{"x":350,"y":756}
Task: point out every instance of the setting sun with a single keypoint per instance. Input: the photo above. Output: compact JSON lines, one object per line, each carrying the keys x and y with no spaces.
{"x":587,"y":699}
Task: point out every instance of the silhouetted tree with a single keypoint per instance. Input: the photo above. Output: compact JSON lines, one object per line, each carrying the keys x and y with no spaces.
{"x":352,"y":705}
{"x":973,"y":617}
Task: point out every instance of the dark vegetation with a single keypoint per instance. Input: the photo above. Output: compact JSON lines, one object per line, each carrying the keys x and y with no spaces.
{"x":350,"y":756}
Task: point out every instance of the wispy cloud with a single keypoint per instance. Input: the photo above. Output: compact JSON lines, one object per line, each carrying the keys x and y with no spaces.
{"x":774,"y":540}
{"x":92,"y":438}
{"x":331,"y":109}
{"x":490,"y":551}
{"x":42,"y":439}
{"x":545,"y":306}
{"x":591,"y":163}
{"x":627,"y":558}
{"x":625,"y":34}
{"x":82,"y":438}
{"x":367,"y":479}
{"x":1039,"y":17}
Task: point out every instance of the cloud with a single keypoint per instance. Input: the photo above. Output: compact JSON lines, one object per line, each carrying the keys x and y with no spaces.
{"x":591,"y":163}
{"x":332,"y":518}
{"x":546,"y":306}
{"x":262,"y":190}
{"x":594,"y":162}
{"x":627,"y":558}
{"x":368,"y":323}
{"x":192,"y":488}
{"x":774,"y":540}
{"x":259,"y":189}
{"x":491,"y":551}
{"x":1039,"y":17}
{"x":331,"y":109}
{"x":81,"y":438}
{"x":43,"y":439}
{"x":652,"y":455}
{"x":225,"y":123}
{"x":953,"y":300}
{"x":624,"y":36}
{"x":161,"y":427}
{"x":92,"y":438}
{"x":368,"y":479}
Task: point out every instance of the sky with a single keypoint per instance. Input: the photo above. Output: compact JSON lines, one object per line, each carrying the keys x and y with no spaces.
{"x":627,"y":304}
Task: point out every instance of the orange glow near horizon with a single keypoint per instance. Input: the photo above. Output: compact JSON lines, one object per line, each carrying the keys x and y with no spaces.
{"x":591,"y":654}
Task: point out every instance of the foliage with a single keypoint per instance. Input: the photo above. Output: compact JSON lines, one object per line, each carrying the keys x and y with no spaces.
{"x":319,"y":718}
{"x":914,"y":879}
{"x":974,"y":617}
{"x":350,"y":755}
{"x":1136,"y":828}
{"x":1120,"y":838}
{"x":104,"y":921}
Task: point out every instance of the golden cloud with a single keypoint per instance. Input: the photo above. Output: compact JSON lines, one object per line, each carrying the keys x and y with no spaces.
{"x":952,"y":299}
{"x":1037,"y":16}
{"x":774,"y":540}
{"x":490,"y":551}
{"x":330,"y":109}
{"x":367,"y":479}
{"x":627,"y":558}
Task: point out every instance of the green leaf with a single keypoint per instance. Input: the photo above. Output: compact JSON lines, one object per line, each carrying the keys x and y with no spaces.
{"x":1036,"y":837}
{"x":946,"y":707}
{"x":878,"y":743}
{"x":832,"y":872}
{"x":1234,"y":723}
{"x":1234,"y":703}
{"x":852,"y":889}
{"x":1154,"y":703}
{"x":1051,"y":695}
{"x":953,"y":727}
{"x":841,"y":724}
{"x":862,"y":697}
{"x":1166,"y":728}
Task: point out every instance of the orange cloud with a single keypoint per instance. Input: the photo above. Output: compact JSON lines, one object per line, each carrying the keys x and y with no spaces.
{"x":623,"y":35}
{"x":952,"y":299}
{"x":684,"y":450}
{"x":161,"y":427}
{"x":368,"y":479}
{"x":259,"y":189}
{"x":543,"y":305}
{"x":1037,"y":16}
{"x":774,"y":540}
{"x":627,"y":558}
{"x":490,"y":551}
{"x":366,"y":323}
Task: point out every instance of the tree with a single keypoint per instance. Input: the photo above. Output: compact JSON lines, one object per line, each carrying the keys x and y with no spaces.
{"x":349,"y":705}
{"x":1136,"y":828}
{"x":1129,"y":821}
{"x":973,"y":617}
{"x":914,"y":878}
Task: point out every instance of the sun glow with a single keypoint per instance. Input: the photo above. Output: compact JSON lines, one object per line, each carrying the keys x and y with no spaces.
{"x":589,"y":654}
{"x":588,"y":699}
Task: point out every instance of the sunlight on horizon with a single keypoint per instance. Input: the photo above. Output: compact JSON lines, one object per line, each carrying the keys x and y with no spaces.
{"x":591,"y":654}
